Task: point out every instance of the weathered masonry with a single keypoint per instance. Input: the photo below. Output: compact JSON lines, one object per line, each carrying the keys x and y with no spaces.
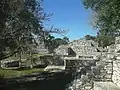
{"x":86,"y":53}
{"x":79,"y":51}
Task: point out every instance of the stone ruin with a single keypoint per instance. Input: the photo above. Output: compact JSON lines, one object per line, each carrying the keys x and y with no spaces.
{"x":10,"y":64}
{"x":18,"y":61}
{"x":79,"y":49}
{"x":41,"y":49}
{"x":107,"y":63}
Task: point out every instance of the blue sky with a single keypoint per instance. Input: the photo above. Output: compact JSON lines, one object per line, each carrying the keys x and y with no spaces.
{"x":69,"y":14}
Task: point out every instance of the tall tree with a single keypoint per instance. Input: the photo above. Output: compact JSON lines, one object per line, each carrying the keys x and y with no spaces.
{"x":106,"y":15}
{"x":106,"y":19}
{"x":20,"y":21}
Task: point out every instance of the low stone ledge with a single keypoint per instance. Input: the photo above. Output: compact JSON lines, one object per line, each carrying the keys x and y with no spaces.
{"x":105,"y":86}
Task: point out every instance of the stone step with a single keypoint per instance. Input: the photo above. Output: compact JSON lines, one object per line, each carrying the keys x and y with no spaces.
{"x":105,"y":86}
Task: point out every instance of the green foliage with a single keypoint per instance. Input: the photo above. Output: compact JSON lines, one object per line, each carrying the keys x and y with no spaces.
{"x":20,"y":21}
{"x":51,"y":42}
{"x":19,"y":73}
{"x":106,"y":12}
{"x":89,"y":37}
{"x":105,"y":40}
{"x":106,"y":19}
{"x":102,"y":40}
{"x":106,"y":15}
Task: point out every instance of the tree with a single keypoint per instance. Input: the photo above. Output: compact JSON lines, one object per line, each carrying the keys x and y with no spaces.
{"x":21,"y":26}
{"x":106,"y":19}
{"x":105,"y":41}
{"x":89,"y":37}
{"x":51,"y":42}
{"x":60,"y":41}
{"x":20,"y":21}
{"x":106,"y":15}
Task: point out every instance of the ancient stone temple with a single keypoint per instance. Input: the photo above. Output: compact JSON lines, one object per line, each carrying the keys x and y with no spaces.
{"x":108,"y":65}
{"x":79,"y":49}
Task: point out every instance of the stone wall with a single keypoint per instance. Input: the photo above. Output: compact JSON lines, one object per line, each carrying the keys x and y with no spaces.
{"x":117,"y":44}
{"x":111,"y":48}
{"x":116,"y":63}
{"x":62,"y":50}
{"x":84,"y":49}
{"x":80,"y":47}
{"x":83,"y":43}
{"x":10,"y":64}
{"x":117,"y":49}
{"x":41,"y":49}
{"x":106,"y":71}
{"x":105,"y":86}
{"x":116,"y":73}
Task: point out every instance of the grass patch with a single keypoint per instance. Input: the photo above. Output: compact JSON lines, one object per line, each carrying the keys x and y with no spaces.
{"x":18,"y":73}
{"x":25,"y":56}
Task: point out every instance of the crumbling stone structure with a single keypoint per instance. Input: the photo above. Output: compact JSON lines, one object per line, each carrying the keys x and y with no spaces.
{"x":79,"y":49}
{"x":107,"y":63}
{"x":116,"y":63}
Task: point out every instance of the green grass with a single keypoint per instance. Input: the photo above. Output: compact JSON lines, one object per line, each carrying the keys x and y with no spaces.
{"x":25,"y":56}
{"x":18,"y":73}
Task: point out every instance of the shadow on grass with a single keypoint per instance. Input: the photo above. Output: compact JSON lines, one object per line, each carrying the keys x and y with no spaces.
{"x":57,"y":82}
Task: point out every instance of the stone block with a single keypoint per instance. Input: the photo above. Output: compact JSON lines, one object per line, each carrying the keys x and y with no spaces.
{"x":103,"y":71}
{"x":108,"y":76}
{"x":105,"y":86}
{"x":109,"y":72}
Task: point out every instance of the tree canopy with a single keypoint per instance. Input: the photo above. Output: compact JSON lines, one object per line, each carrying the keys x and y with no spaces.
{"x":20,"y":22}
{"x":106,"y":15}
{"x":21,"y":26}
{"x":89,"y":37}
{"x":51,"y":42}
{"x":106,"y":18}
